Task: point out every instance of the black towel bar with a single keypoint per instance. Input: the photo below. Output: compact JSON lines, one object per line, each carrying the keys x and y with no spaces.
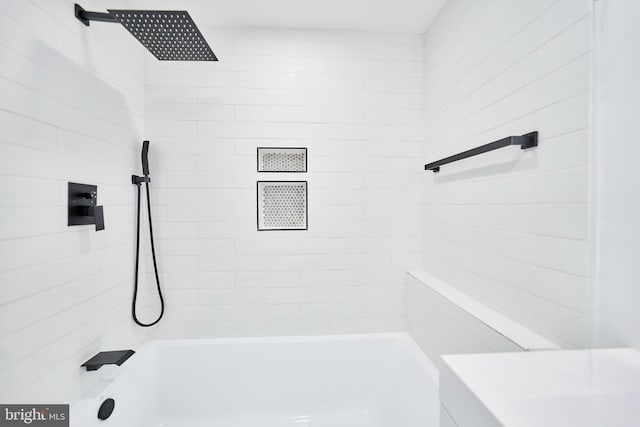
{"x":528,"y":140}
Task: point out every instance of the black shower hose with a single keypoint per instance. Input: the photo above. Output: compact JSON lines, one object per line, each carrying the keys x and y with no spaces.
{"x":155,"y":264}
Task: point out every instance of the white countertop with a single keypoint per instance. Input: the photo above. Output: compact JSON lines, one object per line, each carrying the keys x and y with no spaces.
{"x":582,"y":388}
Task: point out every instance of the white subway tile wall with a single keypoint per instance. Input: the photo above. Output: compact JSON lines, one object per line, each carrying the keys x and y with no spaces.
{"x":511,"y":227}
{"x":70,"y":110}
{"x":355,"y":100}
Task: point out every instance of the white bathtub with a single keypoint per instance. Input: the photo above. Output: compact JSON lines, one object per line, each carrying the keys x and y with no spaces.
{"x":381,"y":380}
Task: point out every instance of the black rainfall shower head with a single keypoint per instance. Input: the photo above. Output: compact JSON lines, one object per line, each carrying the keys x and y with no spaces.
{"x":170,"y":35}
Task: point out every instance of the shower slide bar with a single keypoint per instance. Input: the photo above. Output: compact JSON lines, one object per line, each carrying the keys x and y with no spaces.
{"x":528,"y":140}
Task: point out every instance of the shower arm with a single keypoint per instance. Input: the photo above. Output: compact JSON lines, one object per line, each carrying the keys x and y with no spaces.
{"x":87,"y":17}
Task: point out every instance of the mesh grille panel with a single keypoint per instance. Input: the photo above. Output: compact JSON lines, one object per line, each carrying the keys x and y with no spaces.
{"x":282,"y":205}
{"x":271,"y":159}
{"x":168,"y":35}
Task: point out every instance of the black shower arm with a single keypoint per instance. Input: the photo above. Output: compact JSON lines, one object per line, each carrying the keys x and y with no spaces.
{"x":87,"y":17}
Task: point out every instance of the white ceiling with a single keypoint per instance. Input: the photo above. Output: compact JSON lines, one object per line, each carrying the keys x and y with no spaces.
{"x":400,"y":16}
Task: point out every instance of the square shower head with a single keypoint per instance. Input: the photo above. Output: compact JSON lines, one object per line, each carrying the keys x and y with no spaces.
{"x":170,"y":35}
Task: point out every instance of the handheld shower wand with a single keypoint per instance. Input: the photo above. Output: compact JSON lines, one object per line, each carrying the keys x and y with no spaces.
{"x":145,"y":158}
{"x":138,"y":180}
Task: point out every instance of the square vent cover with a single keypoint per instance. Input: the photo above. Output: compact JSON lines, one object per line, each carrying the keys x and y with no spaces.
{"x":282,"y":159}
{"x":282,"y":205}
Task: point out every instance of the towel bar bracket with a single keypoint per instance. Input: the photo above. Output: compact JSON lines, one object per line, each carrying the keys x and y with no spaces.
{"x":528,"y":140}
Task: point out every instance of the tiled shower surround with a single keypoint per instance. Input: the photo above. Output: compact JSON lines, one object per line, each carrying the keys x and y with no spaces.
{"x":355,"y":100}
{"x":509,"y":228}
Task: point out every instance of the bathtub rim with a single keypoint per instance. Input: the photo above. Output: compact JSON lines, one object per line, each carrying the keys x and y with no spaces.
{"x":134,"y":361}
{"x":402,"y":337}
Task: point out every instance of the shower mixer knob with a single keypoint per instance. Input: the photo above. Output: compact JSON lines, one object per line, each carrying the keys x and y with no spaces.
{"x":91,"y":195}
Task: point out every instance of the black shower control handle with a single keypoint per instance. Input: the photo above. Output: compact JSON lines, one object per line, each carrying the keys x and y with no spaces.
{"x":98,"y":216}
{"x":82,"y":206}
{"x":95,"y":212}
